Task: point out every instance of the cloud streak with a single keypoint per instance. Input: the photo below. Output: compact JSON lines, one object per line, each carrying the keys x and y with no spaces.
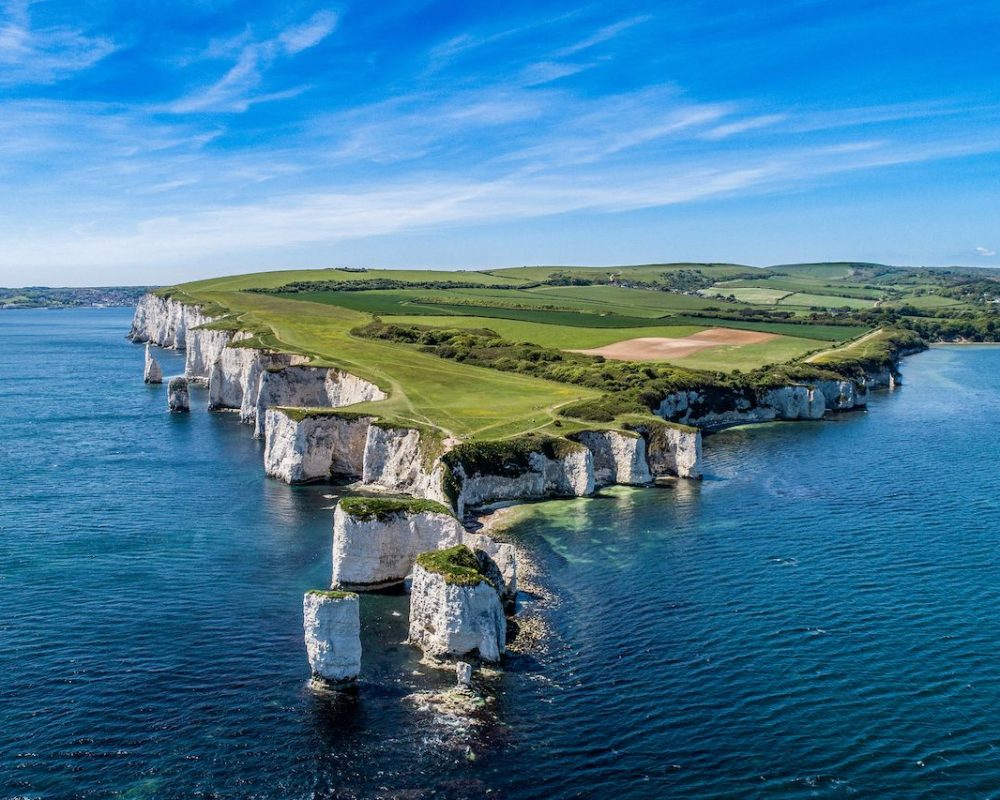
{"x":235,"y":91}
{"x":533,"y":118}
{"x":29,"y":54}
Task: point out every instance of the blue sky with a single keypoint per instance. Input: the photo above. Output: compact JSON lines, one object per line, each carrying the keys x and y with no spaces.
{"x":157,"y":142}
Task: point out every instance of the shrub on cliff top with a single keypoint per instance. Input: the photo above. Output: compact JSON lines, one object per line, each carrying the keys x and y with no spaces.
{"x":385,"y":508}
{"x":458,"y":565}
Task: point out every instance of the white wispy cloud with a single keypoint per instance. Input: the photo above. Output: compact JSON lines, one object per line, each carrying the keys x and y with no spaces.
{"x":236,"y":90}
{"x":44,"y":55}
{"x":607,"y":33}
{"x":742,"y":126}
{"x":459,"y":148}
{"x":985,"y":252}
{"x":308,"y":34}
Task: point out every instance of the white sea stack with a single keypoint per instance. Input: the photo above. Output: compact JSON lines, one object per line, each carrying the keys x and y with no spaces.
{"x":332,"y":623}
{"x":151,"y":372}
{"x":178,"y":398}
{"x":454,"y":610}
{"x":376,"y":542}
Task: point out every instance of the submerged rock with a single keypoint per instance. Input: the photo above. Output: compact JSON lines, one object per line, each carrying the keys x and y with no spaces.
{"x":178,"y":398}
{"x":332,"y":624}
{"x":152,"y":372}
{"x":454,"y":608}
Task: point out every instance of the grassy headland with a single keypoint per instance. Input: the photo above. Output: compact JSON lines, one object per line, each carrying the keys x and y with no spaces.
{"x":487,"y":355}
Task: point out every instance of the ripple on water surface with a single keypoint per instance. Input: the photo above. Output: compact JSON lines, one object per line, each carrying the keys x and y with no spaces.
{"x":815,"y":618}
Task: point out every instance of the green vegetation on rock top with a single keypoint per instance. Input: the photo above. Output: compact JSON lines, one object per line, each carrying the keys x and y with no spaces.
{"x":385,"y":508}
{"x":458,"y":565}
{"x":331,"y":594}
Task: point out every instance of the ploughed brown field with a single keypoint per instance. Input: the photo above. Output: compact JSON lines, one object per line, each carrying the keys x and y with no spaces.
{"x":655,"y":348}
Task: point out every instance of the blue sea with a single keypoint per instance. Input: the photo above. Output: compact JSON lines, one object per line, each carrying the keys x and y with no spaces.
{"x":819,"y":617}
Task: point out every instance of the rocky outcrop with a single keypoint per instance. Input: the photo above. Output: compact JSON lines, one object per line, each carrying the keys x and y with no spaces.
{"x":178,"y":398}
{"x":203,"y":348}
{"x":618,"y":457}
{"x":332,"y":624}
{"x":235,"y":377}
{"x":301,"y":386}
{"x":151,"y":372}
{"x":454,"y":610}
{"x":479,"y":474}
{"x":376,"y":542}
{"x":670,"y":449}
{"x":302,"y":445}
{"x":164,"y":321}
{"x":792,"y":402}
{"x":403,"y":461}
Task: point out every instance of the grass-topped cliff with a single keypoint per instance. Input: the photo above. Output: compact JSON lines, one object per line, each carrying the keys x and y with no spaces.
{"x":488,"y":355}
{"x":458,"y":566}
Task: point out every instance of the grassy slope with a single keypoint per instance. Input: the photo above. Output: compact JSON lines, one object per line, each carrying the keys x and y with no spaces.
{"x":422,"y":389}
{"x":473,"y":402}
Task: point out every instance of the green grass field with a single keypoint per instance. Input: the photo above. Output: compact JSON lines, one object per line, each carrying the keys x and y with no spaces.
{"x":750,"y":294}
{"x":314,"y":312}
{"x":824,"y":301}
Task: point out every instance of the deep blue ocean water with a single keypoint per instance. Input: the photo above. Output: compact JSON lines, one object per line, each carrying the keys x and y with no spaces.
{"x":819,"y":617}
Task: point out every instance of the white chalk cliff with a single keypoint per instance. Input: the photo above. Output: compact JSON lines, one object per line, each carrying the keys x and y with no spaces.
{"x":372,"y":550}
{"x":302,"y":445}
{"x":164,"y":321}
{"x":452,"y":619}
{"x":332,"y":625}
{"x":618,"y":457}
{"x":399,"y":460}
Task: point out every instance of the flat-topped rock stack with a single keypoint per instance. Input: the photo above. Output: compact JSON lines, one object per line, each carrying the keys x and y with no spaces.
{"x":455,"y":608}
{"x":332,"y":623}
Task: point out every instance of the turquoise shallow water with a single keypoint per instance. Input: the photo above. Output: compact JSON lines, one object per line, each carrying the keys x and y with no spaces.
{"x":817,"y":618}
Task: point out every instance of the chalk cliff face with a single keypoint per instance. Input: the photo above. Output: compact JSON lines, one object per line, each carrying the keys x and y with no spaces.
{"x":569,"y":473}
{"x":332,"y":625}
{"x":235,"y":377}
{"x":178,"y":398}
{"x":671,"y":449}
{"x":373,"y":551}
{"x":379,"y":551}
{"x":202,"y":349}
{"x":792,"y":402}
{"x":453,"y":620}
{"x":151,"y":372}
{"x":302,"y":447}
{"x":163,"y":321}
{"x":618,"y":457}
{"x":299,"y":386}
{"x":396,"y":461}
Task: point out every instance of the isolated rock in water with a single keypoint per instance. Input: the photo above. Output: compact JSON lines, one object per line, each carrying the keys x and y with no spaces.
{"x":152,"y":372}
{"x":463,"y":673}
{"x":178,"y":398}
{"x":454,"y":609}
{"x":332,"y":625}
